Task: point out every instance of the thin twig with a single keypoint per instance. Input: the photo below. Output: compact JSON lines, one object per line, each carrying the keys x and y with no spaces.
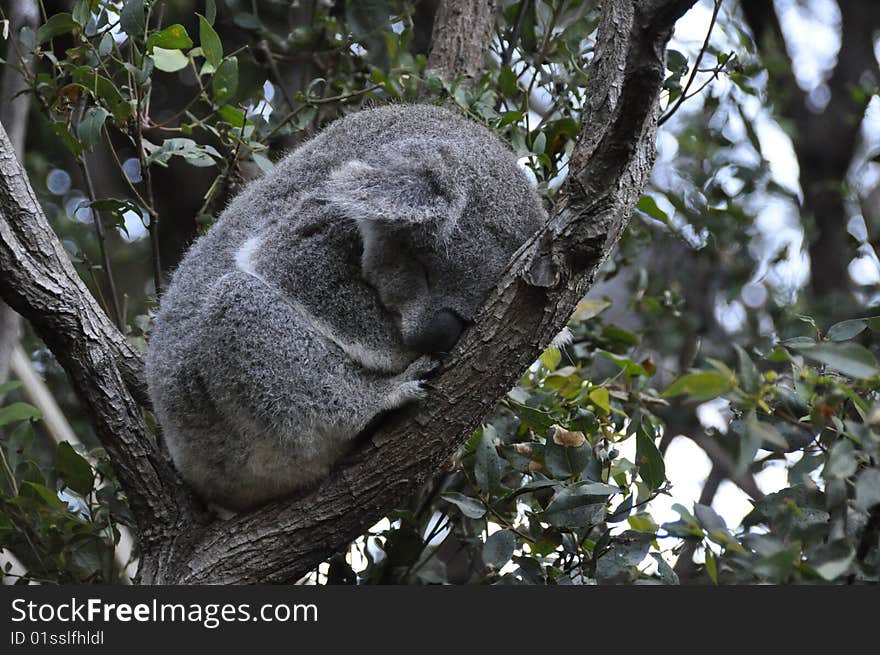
{"x":696,"y":67}
{"x":98,"y":222}
{"x":514,"y":35}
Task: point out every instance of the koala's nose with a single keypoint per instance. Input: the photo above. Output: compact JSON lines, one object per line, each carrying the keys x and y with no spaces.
{"x":438,"y":335}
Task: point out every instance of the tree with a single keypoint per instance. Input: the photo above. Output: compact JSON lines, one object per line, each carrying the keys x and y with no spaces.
{"x":554,"y":439}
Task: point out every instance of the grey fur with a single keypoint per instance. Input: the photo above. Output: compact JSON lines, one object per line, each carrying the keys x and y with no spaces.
{"x":301,"y":315}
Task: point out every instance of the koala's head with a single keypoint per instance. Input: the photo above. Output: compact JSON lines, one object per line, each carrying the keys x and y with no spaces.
{"x":439,"y":220}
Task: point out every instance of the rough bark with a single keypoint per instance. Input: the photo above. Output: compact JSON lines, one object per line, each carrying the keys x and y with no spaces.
{"x":40,"y":283}
{"x":461,"y":35}
{"x":824,"y":141}
{"x":282,"y":541}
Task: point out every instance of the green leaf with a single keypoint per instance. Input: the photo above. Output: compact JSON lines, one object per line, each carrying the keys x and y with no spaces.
{"x":833,"y":559}
{"x":575,"y":507}
{"x":265,"y":164}
{"x":6,"y":387}
{"x":195,"y":154}
{"x":488,"y":466}
{"x":540,"y":143}
{"x":667,"y":574}
{"x":74,"y":470}
{"x":169,"y":61}
{"x":56,"y":25}
{"x":842,"y":461}
{"x":686,"y":526}
{"x":226,"y":81}
{"x":799,"y":342}
{"x":132,"y":18}
{"x":648,"y":205}
{"x":509,"y":117}
{"x":630,"y":367}
{"x":233,"y":115}
{"x":708,"y":518}
{"x":849,"y":358}
{"x":173,"y":37}
{"x":534,"y":418}
{"x":210,"y":11}
{"x":642,"y":522}
{"x":588,"y":308}
{"x":584,"y":420}
{"x":72,"y":144}
{"x":847,"y":329}
{"x":551,"y":358}
{"x":82,"y":12}
{"x":868,"y":488}
{"x":764,"y":432}
{"x":499,"y":548}
{"x":778,"y":565}
{"x":630,"y":548}
{"x":89,"y":128}
{"x":711,"y":566}
{"x":210,"y":43}
{"x":676,"y":62}
{"x":115,"y":210}
{"x":566,"y":462}
{"x":750,"y":378}
{"x":41,"y":493}
{"x":18,"y":412}
{"x":470,"y":507}
{"x":699,"y":386}
{"x":104,"y":91}
{"x":652,"y":470}
{"x":106,"y":45}
{"x":507,"y":81}
{"x":601,"y":399}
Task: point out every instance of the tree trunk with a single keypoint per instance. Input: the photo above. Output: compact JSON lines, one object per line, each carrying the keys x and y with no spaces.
{"x":825,"y":140}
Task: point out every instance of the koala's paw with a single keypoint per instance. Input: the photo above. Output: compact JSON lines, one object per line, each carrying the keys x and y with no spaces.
{"x":412,"y":384}
{"x":404,"y":394}
{"x":424,"y":368}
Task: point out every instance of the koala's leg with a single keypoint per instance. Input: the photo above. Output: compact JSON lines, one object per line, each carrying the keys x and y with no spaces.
{"x":291,"y":396}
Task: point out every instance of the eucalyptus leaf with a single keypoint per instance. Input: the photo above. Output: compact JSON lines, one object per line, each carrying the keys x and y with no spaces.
{"x":74,"y":470}
{"x":132,"y":18}
{"x":470,"y":507}
{"x":210,"y":43}
{"x":499,"y":548}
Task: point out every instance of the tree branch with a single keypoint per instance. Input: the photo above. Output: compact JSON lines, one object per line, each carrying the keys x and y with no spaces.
{"x":461,"y":37}
{"x":40,"y":283}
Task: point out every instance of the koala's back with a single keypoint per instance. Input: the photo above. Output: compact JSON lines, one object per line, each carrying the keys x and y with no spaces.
{"x":356,"y":136}
{"x":255,"y":399}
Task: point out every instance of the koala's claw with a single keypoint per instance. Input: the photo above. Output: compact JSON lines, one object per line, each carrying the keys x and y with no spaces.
{"x":406,"y":393}
{"x":424,"y":368}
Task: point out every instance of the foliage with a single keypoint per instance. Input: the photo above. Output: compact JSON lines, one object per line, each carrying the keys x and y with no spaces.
{"x":697,"y":307}
{"x":59,"y":511}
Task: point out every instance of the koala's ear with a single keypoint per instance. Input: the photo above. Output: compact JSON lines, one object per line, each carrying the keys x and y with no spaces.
{"x":409,"y":186}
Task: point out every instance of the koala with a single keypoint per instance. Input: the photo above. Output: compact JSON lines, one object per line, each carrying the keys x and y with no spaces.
{"x":326,"y":293}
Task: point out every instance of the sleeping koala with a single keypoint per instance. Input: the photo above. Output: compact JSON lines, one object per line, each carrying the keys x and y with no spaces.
{"x":326,"y":291}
